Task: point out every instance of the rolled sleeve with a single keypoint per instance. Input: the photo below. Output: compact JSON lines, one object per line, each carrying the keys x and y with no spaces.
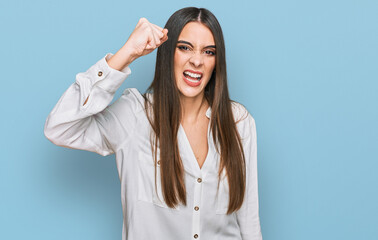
{"x":86,"y":126}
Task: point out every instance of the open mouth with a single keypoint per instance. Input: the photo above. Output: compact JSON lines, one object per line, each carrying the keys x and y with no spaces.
{"x":192,"y":77}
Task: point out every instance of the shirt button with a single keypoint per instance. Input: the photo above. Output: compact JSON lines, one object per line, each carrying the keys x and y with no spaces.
{"x":99,"y":73}
{"x":195,"y":236}
{"x":196,"y":208}
{"x":199,"y":180}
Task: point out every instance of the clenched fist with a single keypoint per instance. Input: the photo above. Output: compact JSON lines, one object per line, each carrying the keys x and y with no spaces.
{"x":146,"y":37}
{"x":143,"y":40}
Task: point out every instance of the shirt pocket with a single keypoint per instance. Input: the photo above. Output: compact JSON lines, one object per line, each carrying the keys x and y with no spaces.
{"x":146,"y":181}
{"x":222,"y":196}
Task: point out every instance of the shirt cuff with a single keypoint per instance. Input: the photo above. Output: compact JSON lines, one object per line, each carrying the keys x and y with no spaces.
{"x":108,"y":78}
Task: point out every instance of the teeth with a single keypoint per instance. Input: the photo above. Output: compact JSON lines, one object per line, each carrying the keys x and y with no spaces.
{"x":193,"y":75}
{"x":191,"y":80}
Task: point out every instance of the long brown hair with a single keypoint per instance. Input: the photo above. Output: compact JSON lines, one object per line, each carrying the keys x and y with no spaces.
{"x":165,"y":114}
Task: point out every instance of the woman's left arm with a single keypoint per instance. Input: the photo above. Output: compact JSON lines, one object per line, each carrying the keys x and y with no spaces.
{"x":248,"y":215}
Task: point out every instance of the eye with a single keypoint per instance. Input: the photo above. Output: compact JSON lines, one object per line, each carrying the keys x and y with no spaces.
{"x":209,"y":52}
{"x":183,"y":47}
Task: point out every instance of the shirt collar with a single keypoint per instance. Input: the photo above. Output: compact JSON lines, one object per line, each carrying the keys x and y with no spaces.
{"x":208,"y":112}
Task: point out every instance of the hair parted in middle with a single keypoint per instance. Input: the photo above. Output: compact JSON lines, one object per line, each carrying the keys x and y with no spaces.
{"x":165,"y":114}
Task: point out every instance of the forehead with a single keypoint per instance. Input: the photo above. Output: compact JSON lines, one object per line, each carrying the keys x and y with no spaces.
{"x":197,"y":34}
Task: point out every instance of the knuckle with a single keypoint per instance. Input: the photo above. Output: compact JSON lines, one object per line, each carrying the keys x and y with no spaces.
{"x":144,"y":25}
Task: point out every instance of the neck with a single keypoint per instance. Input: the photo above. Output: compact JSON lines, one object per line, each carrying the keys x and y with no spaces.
{"x":193,"y":107}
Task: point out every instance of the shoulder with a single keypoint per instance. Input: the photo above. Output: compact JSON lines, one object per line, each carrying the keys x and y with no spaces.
{"x":131,"y":102}
{"x":133,"y":94}
{"x":240,"y":112}
{"x":243,"y":119}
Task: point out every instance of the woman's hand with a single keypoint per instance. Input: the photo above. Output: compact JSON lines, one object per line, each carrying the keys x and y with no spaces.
{"x":142,"y":41}
{"x":145,"y":38}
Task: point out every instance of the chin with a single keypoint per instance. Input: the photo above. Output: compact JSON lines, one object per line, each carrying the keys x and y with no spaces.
{"x":191,"y":92}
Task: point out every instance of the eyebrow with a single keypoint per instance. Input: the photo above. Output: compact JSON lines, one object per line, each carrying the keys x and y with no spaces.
{"x":185,"y":42}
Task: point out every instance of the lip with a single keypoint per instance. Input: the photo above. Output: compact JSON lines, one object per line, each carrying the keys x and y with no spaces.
{"x":192,"y":84}
{"x":196,"y":72}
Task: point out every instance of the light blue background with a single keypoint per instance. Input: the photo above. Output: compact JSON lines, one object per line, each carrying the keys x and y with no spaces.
{"x":306,"y":71}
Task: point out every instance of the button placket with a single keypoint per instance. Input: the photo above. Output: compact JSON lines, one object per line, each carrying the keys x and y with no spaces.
{"x":196,"y":207}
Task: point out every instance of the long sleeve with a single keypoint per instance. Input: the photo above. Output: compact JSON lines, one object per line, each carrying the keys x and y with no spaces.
{"x":248,"y":215}
{"x":94,"y":126}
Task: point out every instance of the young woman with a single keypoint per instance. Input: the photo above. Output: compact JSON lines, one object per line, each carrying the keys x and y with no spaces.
{"x":186,"y":154}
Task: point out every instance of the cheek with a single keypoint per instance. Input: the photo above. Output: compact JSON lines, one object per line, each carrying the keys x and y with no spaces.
{"x":175,"y":61}
{"x":179,"y":57}
{"x":177,"y":68}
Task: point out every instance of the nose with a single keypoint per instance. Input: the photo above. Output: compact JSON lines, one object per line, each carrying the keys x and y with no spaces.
{"x":197,"y":59}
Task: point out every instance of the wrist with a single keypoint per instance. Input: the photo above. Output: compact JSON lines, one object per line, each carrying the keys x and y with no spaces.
{"x":121,"y":59}
{"x":127,"y":53}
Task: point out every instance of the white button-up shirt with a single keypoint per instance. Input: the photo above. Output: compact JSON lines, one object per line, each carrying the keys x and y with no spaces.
{"x":123,"y":128}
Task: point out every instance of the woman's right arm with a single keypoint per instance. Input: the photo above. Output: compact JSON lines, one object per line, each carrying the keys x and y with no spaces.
{"x":77,"y":125}
{"x":82,"y":119}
